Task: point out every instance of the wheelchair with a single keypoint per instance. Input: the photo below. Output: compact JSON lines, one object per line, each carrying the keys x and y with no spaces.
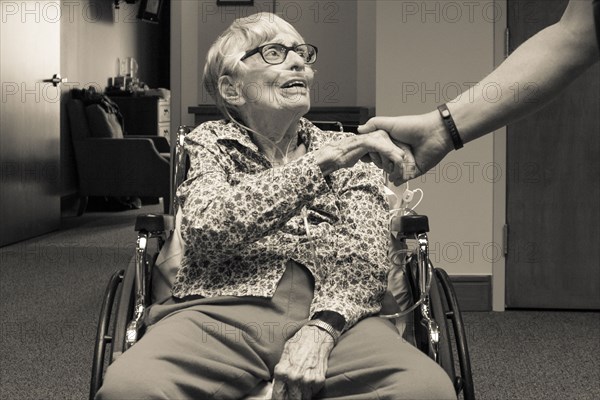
{"x":426,"y":310}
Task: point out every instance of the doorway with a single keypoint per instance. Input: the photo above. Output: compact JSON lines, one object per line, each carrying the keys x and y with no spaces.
{"x":29,"y":120}
{"x":553,"y":195}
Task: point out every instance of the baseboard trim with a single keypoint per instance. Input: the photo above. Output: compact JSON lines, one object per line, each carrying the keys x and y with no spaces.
{"x":474,"y":292}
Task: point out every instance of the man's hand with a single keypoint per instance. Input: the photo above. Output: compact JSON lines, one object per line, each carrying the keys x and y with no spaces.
{"x":301,"y":370}
{"x":423,"y":135}
{"x":348,"y":151}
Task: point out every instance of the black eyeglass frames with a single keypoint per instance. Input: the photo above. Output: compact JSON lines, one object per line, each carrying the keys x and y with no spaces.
{"x":276,"y":53}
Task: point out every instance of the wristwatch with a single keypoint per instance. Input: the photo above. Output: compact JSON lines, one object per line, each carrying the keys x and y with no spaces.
{"x":326,"y":327}
{"x":450,"y":126}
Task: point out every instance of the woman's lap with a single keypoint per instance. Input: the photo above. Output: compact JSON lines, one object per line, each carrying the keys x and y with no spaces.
{"x":188,"y":355}
{"x":372,"y":361}
{"x":223,"y":348}
{"x":213,"y":347}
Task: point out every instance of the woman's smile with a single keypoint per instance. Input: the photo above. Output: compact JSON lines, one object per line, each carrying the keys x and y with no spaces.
{"x":295,"y":87}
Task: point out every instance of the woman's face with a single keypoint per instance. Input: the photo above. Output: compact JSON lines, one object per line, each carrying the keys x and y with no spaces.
{"x":286,"y":86}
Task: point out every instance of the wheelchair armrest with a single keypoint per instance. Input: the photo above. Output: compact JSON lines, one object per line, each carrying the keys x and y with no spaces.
{"x":154,"y":223}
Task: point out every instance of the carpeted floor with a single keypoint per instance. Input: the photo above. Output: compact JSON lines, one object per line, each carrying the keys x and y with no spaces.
{"x":51,"y":290}
{"x":535,"y":355}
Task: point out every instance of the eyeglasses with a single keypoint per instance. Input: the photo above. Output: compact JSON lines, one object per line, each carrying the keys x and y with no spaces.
{"x":275,"y":53}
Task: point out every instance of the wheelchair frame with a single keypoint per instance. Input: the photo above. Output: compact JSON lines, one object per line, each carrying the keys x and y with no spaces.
{"x":434,"y":309}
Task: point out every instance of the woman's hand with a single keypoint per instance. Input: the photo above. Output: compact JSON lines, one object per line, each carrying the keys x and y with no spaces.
{"x":348,"y":151}
{"x":301,"y":370}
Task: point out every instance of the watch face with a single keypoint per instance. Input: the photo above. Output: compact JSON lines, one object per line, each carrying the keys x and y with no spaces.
{"x":445,"y":113}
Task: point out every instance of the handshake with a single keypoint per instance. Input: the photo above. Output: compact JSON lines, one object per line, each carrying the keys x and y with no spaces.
{"x":405,"y":147}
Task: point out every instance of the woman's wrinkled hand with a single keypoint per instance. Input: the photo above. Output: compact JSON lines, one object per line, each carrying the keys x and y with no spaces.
{"x":301,"y":370}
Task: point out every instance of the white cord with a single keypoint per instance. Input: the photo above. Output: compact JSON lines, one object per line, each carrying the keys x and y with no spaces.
{"x":239,"y":124}
{"x":313,"y":246}
{"x":405,"y":200}
{"x":420,"y":199}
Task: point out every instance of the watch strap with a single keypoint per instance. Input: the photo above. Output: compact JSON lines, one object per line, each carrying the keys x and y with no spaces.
{"x":450,"y":126}
{"x":325,"y":327}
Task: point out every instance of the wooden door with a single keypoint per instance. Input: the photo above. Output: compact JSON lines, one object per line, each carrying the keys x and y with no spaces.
{"x":553,"y":196}
{"x":29,"y":119}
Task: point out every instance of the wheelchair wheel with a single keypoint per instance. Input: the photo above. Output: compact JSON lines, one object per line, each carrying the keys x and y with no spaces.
{"x":110,"y":339}
{"x":463,"y":382}
{"x":444,"y":308}
{"x":438,"y":312}
{"x":120,"y":296}
{"x":102,"y":334}
{"x":124,"y":312}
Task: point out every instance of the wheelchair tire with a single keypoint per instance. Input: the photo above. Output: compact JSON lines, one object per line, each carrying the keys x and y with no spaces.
{"x":123,"y":312}
{"x":444,"y":307}
{"x":102,"y":336}
{"x":465,"y":381}
{"x":120,"y":295}
{"x":438,"y":311}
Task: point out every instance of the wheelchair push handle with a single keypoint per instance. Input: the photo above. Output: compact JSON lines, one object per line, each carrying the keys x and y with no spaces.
{"x":154,"y":223}
{"x":410,"y":225}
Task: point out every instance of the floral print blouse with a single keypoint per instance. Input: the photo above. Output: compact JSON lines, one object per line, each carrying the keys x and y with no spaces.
{"x":244,"y":219}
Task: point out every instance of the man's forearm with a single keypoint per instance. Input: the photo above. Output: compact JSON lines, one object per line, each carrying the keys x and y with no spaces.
{"x":531,"y":77}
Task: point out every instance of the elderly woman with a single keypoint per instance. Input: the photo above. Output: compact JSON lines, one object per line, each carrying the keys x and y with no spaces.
{"x":286,"y":237}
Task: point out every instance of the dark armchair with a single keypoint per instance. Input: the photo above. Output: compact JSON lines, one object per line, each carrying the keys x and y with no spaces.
{"x":111,"y":164}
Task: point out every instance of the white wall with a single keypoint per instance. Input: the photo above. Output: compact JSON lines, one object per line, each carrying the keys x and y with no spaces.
{"x":366,"y":43}
{"x":332,"y":27}
{"x":427,"y":53}
{"x":185,"y":65}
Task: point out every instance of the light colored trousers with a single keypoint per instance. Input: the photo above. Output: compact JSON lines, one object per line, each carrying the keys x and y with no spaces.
{"x":222,"y":348}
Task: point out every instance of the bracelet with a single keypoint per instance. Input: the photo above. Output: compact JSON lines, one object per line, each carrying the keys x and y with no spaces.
{"x":326,"y":327}
{"x":450,"y":126}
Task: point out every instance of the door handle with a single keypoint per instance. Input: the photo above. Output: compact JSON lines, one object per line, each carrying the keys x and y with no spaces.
{"x":55,"y":80}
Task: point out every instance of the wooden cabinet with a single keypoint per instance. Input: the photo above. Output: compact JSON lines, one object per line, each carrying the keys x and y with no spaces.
{"x":145,"y":115}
